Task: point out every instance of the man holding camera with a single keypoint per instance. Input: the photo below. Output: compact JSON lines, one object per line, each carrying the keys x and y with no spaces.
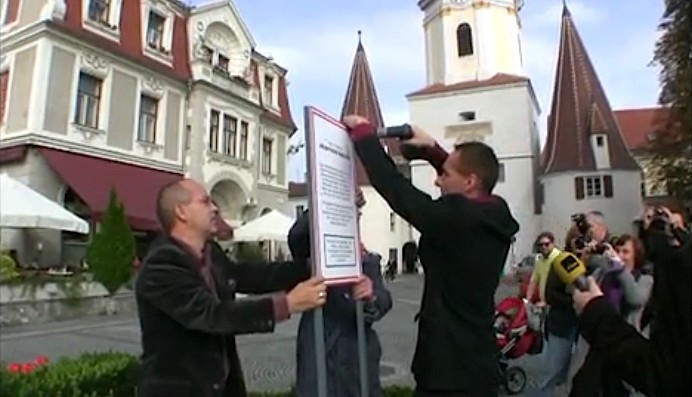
{"x":661,"y":365}
{"x":465,"y":239}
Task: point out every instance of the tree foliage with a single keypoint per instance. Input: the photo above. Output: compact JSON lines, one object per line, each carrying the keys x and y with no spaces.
{"x":673,"y":54}
{"x":111,"y":253}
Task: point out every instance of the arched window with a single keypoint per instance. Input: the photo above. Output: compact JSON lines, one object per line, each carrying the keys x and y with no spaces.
{"x":464,"y":40}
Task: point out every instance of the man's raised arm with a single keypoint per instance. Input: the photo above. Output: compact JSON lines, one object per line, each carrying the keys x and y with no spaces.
{"x":415,"y":206}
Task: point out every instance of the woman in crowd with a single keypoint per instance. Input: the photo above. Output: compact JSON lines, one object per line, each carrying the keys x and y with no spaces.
{"x":636,"y":279}
{"x":627,"y":289}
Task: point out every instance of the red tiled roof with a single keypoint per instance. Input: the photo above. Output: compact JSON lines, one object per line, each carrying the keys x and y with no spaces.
{"x":130,"y":44}
{"x":137,"y":187}
{"x":580,"y":108}
{"x":637,"y":125}
{"x":361,"y":99}
{"x":496,"y":80}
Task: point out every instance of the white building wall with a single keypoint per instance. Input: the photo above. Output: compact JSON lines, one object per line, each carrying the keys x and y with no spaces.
{"x":619,"y":210}
{"x":505,"y":120}
{"x":376,"y":231}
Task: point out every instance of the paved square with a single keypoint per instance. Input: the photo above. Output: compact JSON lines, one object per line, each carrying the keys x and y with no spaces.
{"x":268,"y":360}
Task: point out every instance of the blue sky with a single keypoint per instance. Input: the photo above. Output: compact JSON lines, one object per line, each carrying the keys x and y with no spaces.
{"x":316,"y":40}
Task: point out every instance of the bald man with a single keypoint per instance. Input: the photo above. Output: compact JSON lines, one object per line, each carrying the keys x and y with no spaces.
{"x":186,"y":301}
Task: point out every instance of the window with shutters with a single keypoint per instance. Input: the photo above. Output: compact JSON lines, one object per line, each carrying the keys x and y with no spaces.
{"x":593,"y":186}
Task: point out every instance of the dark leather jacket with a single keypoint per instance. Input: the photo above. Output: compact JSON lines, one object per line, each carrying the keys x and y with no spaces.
{"x":188,"y":329}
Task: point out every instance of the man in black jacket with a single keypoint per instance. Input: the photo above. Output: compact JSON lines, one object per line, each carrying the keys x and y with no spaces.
{"x":188,"y":313}
{"x":660,"y":366}
{"x":465,"y":239}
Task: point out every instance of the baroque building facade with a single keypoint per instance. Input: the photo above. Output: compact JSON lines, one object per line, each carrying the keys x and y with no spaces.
{"x":130,"y":95}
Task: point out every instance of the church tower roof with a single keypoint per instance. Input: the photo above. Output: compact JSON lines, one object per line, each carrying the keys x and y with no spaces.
{"x":580,"y":110}
{"x":361,"y":99}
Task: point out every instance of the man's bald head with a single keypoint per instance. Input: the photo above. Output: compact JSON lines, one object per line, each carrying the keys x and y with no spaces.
{"x":169,"y":197}
{"x":599,"y":226}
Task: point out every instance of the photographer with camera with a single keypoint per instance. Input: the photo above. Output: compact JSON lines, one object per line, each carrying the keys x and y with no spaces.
{"x":661,"y":365}
{"x":627,"y":295}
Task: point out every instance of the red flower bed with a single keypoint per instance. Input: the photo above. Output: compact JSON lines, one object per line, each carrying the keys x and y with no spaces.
{"x":27,"y":367}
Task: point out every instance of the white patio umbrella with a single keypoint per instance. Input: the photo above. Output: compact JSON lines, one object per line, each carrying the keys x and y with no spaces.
{"x":272,"y":226}
{"x":23,"y":207}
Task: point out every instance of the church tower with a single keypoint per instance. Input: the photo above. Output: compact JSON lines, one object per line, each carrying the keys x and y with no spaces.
{"x":382,"y":231}
{"x":469,"y":40}
{"x":476,"y":90}
{"x":586,"y":163}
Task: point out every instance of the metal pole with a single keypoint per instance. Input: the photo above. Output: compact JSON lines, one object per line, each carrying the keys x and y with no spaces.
{"x":318,"y":317}
{"x":362,"y":350}
{"x":320,"y":353}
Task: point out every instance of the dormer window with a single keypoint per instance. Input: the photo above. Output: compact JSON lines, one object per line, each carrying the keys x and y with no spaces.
{"x":222,"y":62}
{"x":651,"y":136}
{"x":99,"y":11}
{"x":600,"y":141}
{"x":102,"y":17}
{"x":268,"y":90}
{"x":155,"y":30}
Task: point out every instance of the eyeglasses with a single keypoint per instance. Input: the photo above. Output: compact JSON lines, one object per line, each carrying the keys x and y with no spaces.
{"x":544,"y":244}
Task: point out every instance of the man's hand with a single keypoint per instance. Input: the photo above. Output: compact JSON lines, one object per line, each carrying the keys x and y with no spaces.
{"x":420,"y":138}
{"x":362,"y":289}
{"x":353,"y":120}
{"x":307,"y":295}
{"x":581,"y":298}
{"x":358,"y":127}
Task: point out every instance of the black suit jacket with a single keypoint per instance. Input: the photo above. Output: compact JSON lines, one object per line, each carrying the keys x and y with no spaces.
{"x":463,"y":247}
{"x":187,"y":330}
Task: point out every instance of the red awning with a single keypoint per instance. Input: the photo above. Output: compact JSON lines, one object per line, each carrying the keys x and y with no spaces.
{"x":12,"y":154}
{"x":92,"y":178}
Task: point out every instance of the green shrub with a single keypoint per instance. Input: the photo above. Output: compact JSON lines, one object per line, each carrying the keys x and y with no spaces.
{"x":249,"y":252}
{"x":8,"y":268}
{"x":108,"y":374}
{"x":90,"y":375}
{"x":111,"y":253}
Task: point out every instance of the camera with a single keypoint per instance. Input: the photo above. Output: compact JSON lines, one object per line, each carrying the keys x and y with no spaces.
{"x":660,"y":221}
{"x":584,"y":236}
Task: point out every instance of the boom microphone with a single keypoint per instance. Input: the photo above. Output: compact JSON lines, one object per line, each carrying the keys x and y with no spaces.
{"x":402,"y":132}
{"x":571,"y":270}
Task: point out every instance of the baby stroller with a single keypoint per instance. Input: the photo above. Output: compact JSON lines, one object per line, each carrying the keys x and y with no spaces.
{"x":515,"y":337}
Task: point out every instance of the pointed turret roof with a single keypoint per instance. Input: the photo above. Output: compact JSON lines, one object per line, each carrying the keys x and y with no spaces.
{"x":361,"y":99}
{"x":580,"y":109}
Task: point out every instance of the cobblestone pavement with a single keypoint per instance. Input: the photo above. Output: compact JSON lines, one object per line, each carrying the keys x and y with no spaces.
{"x":268,"y":360}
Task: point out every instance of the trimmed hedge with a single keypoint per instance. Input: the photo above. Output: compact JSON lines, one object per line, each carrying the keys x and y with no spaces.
{"x":93,"y":375}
